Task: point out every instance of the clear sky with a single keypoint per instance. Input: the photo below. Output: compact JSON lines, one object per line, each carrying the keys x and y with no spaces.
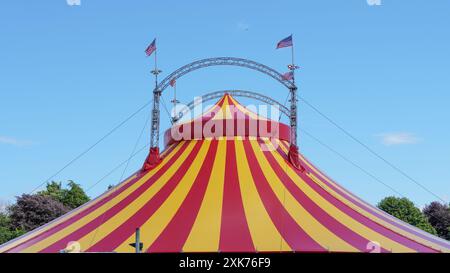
{"x":68,"y":74}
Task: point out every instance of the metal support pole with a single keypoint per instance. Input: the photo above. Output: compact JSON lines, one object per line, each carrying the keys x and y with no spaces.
{"x":155,"y":119}
{"x":154,"y":140}
{"x":138,"y":240}
{"x":293,"y":115}
{"x":293,"y":90}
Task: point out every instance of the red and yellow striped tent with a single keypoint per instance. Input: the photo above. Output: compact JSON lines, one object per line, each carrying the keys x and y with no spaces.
{"x":229,"y":191}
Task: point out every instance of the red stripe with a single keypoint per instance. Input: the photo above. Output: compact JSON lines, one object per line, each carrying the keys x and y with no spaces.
{"x":77,"y":214}
{"x":71,"y":220}
{"x":354,"y":200}
{"x":82,"y":231}
{"x":234,"y":232}
{"x":319,"y":214}
{"x":292,"y":233}
{"x":240,"y":124}
{"x":177,"y":231}
{"x":359,"y":217}
{"x":192,"y":126}
{"x":126,"y":229}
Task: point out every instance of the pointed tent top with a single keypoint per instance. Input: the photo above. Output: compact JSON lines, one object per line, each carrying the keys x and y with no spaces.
{"x":228,"y":195}
{"x":227,"y":118}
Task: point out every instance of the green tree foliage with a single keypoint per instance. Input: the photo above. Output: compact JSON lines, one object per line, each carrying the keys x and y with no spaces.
{"x":404,"y":209}
{"x":6,"y":233}
{"x":438,"y":215}
{"x":54,"y":190}
{"x":72,"y":197}
{"x":32,"y":211}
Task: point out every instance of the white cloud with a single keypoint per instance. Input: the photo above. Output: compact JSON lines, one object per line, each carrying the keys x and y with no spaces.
{"x":374,"y":2}
{"x":73,"y":2}
{"x":399,"y":138}
{"x":14,"y":141}
{"x":243,"y":26}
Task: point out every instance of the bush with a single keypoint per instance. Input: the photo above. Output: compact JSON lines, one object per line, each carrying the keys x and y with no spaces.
{"x":404,"y":209}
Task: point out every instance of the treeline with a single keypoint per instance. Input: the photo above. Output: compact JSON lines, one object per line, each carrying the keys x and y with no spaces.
{"x":32,"y":211}
{"x":434,"y":218}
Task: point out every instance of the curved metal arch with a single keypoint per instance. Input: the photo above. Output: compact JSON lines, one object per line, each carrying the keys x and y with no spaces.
{"x":223,"y":61}
{"x":232,"y":61}
{"x":234,"y":93}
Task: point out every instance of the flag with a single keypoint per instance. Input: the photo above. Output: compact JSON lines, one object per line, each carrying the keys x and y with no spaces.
{"x":173,"y":82}
{"x":288,"y":76}
{"x":286,"y":42}
{"x":151,"y":48}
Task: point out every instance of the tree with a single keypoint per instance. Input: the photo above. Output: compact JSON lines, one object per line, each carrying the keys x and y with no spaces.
{"x":6,"y":233}
{"x":404,"y":209}
{"x":439,"y":217}
{"x":54,"y":190}
{"x":72,"y":197}
{"x":32,"y":211}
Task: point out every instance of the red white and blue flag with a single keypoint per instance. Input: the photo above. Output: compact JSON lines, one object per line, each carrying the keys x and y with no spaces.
{"x":151,"y":48}
{"x":173,"y":82}
{"x":288,"y":76}
{"x":286,"y":42}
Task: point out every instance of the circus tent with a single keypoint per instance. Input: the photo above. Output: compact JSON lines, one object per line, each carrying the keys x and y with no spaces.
{"x":228,"y":188}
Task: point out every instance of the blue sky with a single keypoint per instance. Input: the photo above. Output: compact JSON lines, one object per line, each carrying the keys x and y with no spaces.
{"x":68,"y":74}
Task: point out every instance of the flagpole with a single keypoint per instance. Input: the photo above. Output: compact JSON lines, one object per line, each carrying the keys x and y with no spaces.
{"x":156,"y":68}
{"x":155,"y":112}
{"x":293,"y":91}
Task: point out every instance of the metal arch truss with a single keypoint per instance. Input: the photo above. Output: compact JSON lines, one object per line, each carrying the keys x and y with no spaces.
{"x":219,"y":61}
{"x":235,"y":93}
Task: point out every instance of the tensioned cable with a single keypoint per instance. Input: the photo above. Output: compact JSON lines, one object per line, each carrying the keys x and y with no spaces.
{"x":120,"y":165}
{"x":350,"y":161}
{"x":121,"y":177}
{"x":285,"y":101}
{"x":165,"y":108}
{"x":370,"y":150}
{"x":92,"y":146}
{"x":117,"y":167}
{"x":135,"y":146}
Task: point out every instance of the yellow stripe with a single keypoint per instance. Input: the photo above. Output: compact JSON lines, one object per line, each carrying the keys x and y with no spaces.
{"x":264,"y":234}
{"x":351,"y":195}
{"x":362,"y":211}
{"x":118,"y":219}
{"x":304,"y":219}
{"x":96,"y":213}
{"x":61,"y":219}
{"x":159,"y":220}
{"x":223,"y":110}
{"x":203,"y":114}
{"x":205,"y":233}
{"x":280,"y":143}
{"x":374,"y":218}
{"x":346,"y":220}
{"x":245,"y":110}
{"x":380,"y":220}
